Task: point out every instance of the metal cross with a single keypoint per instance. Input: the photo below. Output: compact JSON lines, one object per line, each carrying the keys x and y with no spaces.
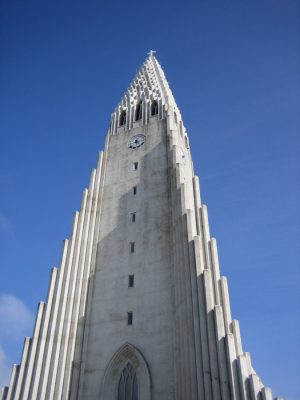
{"x":151,"y":52}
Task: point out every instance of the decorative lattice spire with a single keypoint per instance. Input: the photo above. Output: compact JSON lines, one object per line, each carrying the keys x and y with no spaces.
{"x":148,"y":87}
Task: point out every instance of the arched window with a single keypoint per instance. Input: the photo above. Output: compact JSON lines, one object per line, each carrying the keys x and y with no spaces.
{"x":122,"y":119}
{"x":154,"y":108}
{"x":128,"y":385}
{"x":127,"y":376}
{"x":138,"y":111}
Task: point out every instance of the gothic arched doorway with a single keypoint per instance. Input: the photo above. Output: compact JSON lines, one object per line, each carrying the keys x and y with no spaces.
{"x":127,"y":376}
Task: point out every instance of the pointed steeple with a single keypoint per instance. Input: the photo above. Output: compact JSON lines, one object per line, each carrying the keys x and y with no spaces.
{"x":147,"y":96}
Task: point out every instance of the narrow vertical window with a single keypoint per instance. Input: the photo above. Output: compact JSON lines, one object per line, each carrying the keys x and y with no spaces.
{"x":135,"y":166}
{"x":134,"y":190}
{"x":175,"y":118}
{"x":154,"y":108}
{"x":186,"y":142}
{"x":138,"y":111}
{"x":122,"y":119}
{"x":133,"y":217}
{"x":130,"y":280}
{"x":129,"y":318}
{"x":132,"y":247}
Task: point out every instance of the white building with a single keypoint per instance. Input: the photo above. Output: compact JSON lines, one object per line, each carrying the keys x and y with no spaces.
{"x":138,"y":309}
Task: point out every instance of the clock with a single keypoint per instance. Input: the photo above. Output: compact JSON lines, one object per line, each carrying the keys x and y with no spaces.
{"x":136,"y":141}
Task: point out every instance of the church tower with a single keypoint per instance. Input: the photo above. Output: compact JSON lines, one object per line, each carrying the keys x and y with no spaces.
{"x":137,"y":309}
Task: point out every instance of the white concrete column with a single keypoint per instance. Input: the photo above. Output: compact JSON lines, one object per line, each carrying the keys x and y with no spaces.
{"x":197,"y":201}
{"x":183,"y":366}
{"x":78,"y":286}
{"x":33,"y":348}
{"x":232,"y":367}
{"x":3,"y":393}
{"x":237,"y":337}
{"x":127,"y":106}
{"x":199,"y":256}
{"x":117,"y":117}
{"x":70,"y":299}
{"x":205,"y":235}
{"x":54,"y":371}
{"x":23,"y":366}
{"x":96,"y":208}
{"x":100,"y":175}
{"x":225,"y":303}
{"x":53,"y":325}
{"x":144,"y":111}
{"x":196,"y":322}
{"x":12,"y":382}
{"x":160,"y":109}
{"x":37,"y":368}
{"x":187,"y":314}
{"x":191,"y":301}
{"x":249,"y":364}
{"x":113,"y":123}
{"x":222,"y":361}
{"x":255,"y":387}
{"x":266,"y":393}
{"x":179,"y":341}
{"x":187,"y":364}
{"x":215,"y":269}
{"x":204,"y":337}
{"x":243,"y":377}
{"x":212,"y":341}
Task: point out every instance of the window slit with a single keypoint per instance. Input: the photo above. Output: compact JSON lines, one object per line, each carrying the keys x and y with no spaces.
{"x":154,"y":108}
{"x":129,"y":318}
{"x":138,"y":111}
{"x":122,"y":119}
{"x":130,"y":280}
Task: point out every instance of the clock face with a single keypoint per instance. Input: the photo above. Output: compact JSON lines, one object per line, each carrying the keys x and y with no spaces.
{"x":136,"y":141}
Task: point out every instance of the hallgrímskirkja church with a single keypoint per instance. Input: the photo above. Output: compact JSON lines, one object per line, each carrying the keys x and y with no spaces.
{"x":137,"y":309}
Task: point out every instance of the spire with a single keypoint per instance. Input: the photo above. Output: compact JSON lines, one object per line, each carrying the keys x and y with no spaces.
{"x":148,"y":86}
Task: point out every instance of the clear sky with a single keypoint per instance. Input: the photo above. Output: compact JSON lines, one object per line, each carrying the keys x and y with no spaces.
{"x":233,"y":67}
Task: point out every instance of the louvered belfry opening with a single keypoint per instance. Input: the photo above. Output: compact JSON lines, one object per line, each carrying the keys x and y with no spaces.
{"x":154,"y":108}
{"x":122,"y":120}
{"x":138,"y":111}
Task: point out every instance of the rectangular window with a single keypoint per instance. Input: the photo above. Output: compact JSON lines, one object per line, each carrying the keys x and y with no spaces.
{"x":134,"y":190}
{"x":129,"y":318}
{"x":133,"y":217}
{"x":135,"y":166}
{"x":130,"y":280}
{"x":186,"y":142}
{"x":132,"y":247}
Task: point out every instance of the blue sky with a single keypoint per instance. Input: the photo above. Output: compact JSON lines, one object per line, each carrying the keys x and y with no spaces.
{"x":233,"y":67}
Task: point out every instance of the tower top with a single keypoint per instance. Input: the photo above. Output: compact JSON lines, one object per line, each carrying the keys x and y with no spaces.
{"x":147,"y":87}
{"x":151,"y":53}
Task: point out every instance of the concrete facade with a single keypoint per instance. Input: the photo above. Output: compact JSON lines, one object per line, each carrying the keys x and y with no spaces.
{"x":138,"y":290}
